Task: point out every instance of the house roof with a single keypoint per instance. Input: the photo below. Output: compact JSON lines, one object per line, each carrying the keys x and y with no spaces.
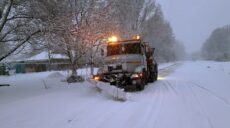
{"x":39,"y":57}
{"x":45,"y":56}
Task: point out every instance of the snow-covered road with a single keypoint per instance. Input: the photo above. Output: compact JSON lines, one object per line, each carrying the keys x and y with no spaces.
{"x":186,"y":95}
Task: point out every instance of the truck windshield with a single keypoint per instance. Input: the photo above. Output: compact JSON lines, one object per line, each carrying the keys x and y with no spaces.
{"x":123,"y":48}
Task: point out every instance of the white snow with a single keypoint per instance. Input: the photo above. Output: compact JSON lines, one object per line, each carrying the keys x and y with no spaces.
{"x":186,"y":95}
{"x":45,"y":56}
{"x":55,"y":75}
{"x":113,"y":91}
{"x":39,"y":57}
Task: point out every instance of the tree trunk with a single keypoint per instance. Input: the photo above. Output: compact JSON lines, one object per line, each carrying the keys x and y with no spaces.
{"x":91,"y":70}
{"x":74,"y":70}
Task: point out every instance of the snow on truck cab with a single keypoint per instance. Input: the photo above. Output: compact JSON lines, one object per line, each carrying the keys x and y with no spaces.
{"x":128,"y":64}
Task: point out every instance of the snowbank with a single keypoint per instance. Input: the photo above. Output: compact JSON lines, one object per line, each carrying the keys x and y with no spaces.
{"x":191,"y":95}
{"x":55,"y":75}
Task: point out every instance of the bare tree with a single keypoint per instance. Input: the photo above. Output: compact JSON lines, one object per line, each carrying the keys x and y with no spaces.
{"x":75,"y":27}
{"x":17,"y":26}
{"x":158,"y":32}
{"x":131,"y":15}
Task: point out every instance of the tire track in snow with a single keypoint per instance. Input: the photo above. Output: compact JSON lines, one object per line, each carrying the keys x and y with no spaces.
{"x":148,"y":113}
{"x":187,"y":103}
{"x":169,"y":67}
{"x":197,"y":104}
{"x":202,"y":108}
{"x":169,"y":85}
{"x":179,"y":101}
{"x":154,"y":111}
{"x":168,"y":70}
{"x":142,"y":110}
{"x":151,"y":110}
{"x":211,"y":93}
{"x":148,"y":117}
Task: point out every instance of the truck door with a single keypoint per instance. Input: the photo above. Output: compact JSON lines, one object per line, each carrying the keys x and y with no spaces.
{"x":143,"y":52}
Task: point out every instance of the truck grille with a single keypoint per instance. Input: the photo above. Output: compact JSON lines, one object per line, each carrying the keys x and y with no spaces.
{"x":116,"y":67}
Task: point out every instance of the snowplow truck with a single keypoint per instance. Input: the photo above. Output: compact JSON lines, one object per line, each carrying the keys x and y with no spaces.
{"x":129,"y":64}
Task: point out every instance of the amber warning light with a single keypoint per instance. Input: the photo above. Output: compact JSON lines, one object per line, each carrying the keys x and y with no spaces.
{"x":112,"y":39}
{"x":96,"y":78}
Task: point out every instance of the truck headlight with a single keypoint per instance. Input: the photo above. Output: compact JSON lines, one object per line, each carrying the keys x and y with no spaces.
{"x":96,"y":78}
{"x":136,"y":75}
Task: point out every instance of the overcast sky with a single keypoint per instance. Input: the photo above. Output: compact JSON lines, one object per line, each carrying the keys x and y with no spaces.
{"x":194,"y":20}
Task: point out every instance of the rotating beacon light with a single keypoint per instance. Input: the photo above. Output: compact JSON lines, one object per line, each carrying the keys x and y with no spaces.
{"x":112,"y":39}
{"x":136,"y":37}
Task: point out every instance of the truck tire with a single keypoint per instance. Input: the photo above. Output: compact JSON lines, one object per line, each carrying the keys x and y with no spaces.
{"x":155,"y":74}
{"x":151,"y":77}
{"x":140,"y":86}
{"x":145,"y":77}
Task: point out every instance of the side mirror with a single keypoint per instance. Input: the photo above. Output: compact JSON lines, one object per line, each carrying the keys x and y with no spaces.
{"x":152,"y":50}
{"x":102,"y":52}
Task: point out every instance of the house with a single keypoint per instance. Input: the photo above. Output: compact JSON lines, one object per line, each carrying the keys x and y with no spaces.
{"x":39,"y":63}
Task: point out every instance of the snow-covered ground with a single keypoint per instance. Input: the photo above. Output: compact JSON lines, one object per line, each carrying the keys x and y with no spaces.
{"x":186,"y":95}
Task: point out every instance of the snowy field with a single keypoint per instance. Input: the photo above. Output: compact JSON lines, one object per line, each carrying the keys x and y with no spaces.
{"x":186,"y":95}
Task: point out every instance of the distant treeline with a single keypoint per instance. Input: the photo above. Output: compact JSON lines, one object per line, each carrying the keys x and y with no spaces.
{"x":217,"y":46}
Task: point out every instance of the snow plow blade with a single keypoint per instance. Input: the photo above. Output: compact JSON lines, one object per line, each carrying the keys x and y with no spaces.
{"x":106,"y":88}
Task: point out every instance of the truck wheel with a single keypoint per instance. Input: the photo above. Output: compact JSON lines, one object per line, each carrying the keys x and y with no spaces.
{"x":145,"y":77}
{"x":140,"y":86}
{"x":151,"y":77}
{"x":113,"y":83}
{"x":155,"y":75}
